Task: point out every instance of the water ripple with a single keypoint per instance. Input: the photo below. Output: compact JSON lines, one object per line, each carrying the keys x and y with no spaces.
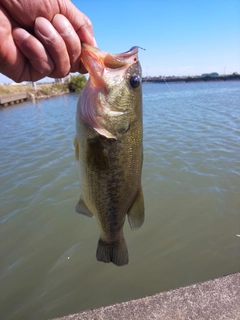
{"x":191,"y":182}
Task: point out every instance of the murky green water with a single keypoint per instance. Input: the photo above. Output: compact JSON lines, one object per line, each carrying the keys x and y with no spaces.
{"x":191,"y":181}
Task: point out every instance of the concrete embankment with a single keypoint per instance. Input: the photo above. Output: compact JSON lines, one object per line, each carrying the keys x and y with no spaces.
{"x":14,"y":98}
{"x":211,"y":300}
{"x":9,"y":99}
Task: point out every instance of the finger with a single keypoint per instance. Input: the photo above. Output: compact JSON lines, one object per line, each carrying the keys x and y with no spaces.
{"x":80,"y":22}
{"x":13,"y":62}
{"x":55,"y":46}
{"x":36,"y":63}
{"x":69,"y":36}
{"x":8,"y":49}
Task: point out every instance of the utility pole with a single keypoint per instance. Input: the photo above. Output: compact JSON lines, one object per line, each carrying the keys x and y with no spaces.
{"x":34,"y":85}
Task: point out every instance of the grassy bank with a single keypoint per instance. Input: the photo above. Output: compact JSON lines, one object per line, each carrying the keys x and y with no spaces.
{"x":40,"y":91}
{"x":7,"y":89}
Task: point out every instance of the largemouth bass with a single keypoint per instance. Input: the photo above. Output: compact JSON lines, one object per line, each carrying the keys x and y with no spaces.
{"x":108,"y":145}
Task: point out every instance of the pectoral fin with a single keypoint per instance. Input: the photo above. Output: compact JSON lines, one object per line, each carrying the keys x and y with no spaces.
{"x":83,"y":209}
{"x":97,"y":157}
{"x":76,"y":147}
{"x":136,"y":211}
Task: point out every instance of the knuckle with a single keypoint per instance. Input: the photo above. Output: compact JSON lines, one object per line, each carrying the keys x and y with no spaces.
{"x":88,"y":23}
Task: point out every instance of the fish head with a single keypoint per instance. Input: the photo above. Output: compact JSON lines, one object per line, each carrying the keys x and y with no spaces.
{"x":113,"y":90}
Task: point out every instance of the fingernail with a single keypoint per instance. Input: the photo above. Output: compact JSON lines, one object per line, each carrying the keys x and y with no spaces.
{"x":62,"y":25}
{"x":44,"y":27}
{"x":19,"y":35}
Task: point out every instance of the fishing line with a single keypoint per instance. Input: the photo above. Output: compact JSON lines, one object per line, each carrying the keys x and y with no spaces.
{"x":204,"y":144}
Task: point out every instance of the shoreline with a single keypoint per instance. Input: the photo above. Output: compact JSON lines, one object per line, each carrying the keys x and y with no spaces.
{"x":15,"y":93}
{"x":10,"y":95}
{"x":207,"y":78}
{"x":7,"y":100}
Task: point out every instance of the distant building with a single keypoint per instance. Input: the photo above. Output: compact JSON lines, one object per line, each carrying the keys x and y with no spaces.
{"x":213,"y":74}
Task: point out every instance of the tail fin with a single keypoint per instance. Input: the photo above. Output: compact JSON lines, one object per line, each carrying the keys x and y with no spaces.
{"x":115,"y":252}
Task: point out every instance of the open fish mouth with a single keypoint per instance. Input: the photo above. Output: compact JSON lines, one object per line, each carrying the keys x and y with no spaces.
{"x":121,"y":59}
{"x":96,"y":60}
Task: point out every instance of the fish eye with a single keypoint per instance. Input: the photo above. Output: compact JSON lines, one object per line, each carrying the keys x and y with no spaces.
{"x":135,"y":81}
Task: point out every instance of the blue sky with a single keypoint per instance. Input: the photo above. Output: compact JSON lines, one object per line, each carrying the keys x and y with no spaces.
{"x":181,"y":37}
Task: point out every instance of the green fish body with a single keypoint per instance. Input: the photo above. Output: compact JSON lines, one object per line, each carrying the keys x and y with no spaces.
{"x":108,"y":145}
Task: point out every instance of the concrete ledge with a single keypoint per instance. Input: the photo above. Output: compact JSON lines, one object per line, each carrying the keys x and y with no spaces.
{"x":12,"y":98}
{"x":211,"y":300}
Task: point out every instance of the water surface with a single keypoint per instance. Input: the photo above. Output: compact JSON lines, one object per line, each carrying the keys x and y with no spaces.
{"x":191,"y":182}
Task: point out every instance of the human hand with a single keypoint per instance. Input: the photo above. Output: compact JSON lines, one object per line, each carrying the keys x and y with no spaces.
{"x":42,"y":38}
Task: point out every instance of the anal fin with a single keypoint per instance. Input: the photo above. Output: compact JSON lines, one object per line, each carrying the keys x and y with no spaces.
{"x":83,"y":209}
{"x":136,"y":211}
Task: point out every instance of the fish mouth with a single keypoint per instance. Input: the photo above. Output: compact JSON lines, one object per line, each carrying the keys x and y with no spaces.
{"x":114,"y":61}
{"x":97,"y":61}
